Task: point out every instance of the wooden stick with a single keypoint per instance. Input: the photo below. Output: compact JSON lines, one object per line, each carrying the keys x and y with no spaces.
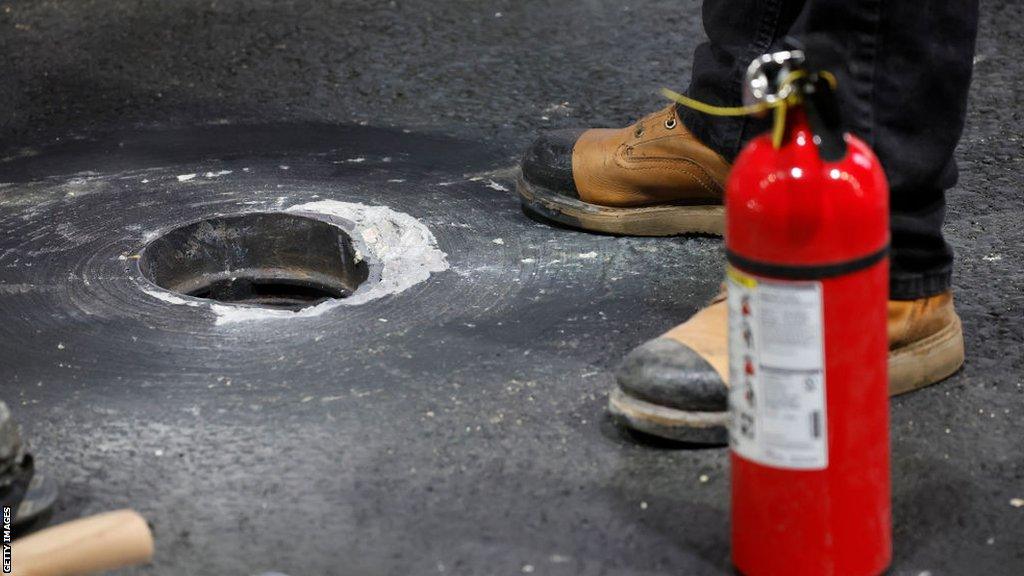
{"x":94,"y":544}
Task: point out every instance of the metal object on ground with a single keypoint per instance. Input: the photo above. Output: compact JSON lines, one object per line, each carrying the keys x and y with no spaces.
{"x":31,"y":494}
{"x":271,"y":259}
{"x":11,"y":450}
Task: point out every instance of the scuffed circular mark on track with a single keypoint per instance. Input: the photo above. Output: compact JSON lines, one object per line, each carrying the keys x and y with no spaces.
{"x":470,"y":403}
{"x":514,"y":288}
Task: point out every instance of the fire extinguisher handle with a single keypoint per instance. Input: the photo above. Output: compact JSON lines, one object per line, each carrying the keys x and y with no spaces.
{"x":824,"y":117}
{"x":820,"y":59}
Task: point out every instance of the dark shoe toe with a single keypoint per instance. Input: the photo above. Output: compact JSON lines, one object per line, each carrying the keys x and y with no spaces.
{"x":665,"y":372}
{"x":548,"y":161}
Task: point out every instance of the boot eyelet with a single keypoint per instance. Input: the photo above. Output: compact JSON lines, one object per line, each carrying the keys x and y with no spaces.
{"x":670,"y":123}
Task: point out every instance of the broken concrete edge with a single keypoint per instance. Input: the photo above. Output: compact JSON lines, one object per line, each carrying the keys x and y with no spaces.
{"x":400,"y":250}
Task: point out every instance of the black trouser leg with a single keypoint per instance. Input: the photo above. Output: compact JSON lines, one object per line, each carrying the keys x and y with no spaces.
{"x":738,"y":31}
{"x":903,"y":89}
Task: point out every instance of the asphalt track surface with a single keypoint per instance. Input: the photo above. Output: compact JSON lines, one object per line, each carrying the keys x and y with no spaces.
{"x":457,"y":427}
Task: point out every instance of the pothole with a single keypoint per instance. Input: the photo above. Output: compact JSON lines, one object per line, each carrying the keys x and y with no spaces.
{"x":270,"y":260}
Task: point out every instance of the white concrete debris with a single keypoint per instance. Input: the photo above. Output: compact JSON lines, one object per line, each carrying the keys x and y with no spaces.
{"x":404,"y":246}
{"x":496,"y":186}
{"x":171,"y":297}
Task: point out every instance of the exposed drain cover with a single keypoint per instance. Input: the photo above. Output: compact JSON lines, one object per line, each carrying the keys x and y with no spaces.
{"x":272,"y":260}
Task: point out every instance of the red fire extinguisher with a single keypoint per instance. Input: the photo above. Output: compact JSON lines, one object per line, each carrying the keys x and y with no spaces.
{"x":807,"y":241}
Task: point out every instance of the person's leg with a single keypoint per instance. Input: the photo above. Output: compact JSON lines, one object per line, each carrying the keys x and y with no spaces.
{"x":737,"y":33}
{"x":904,"y":71}
{"x":904,"y":92}
{"x":655,"y":177}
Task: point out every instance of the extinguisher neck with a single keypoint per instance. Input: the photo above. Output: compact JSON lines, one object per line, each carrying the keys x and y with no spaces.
{"x":803,"y":120}
{"x":796,"y":123}
{"x":797,"y":117}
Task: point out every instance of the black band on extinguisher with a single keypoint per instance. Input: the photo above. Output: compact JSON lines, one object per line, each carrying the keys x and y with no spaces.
{"x":815,"y":272}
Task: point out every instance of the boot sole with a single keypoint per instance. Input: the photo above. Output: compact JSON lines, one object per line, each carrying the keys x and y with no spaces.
{"x":665,"y":220}
{"x":927,"y":361}
{"x":912,"y":367}
{"x":697,"y":427}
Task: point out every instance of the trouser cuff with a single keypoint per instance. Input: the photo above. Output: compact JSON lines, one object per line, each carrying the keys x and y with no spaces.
{"x":914,"y":286}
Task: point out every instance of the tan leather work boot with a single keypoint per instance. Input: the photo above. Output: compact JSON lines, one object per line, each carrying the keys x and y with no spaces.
{"x":676,"y":385}
{"x":649,"y":179}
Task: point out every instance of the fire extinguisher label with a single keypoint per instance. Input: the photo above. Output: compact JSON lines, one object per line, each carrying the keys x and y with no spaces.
{"x":777,"y":372}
